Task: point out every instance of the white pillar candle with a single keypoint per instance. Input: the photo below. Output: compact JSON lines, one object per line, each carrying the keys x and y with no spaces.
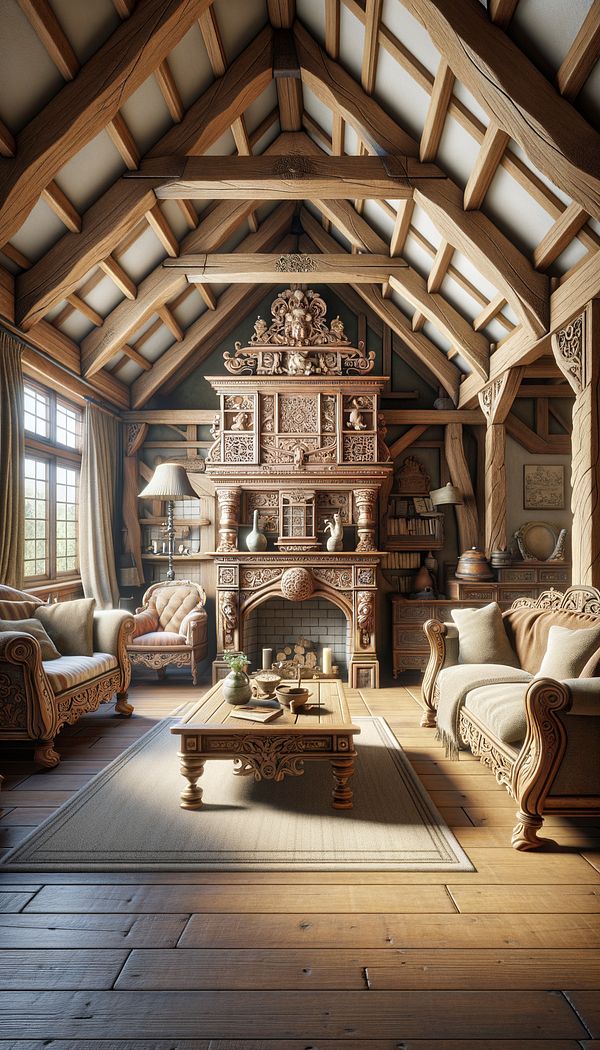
{"x":267,"y":659}
{"x":327,"y":661}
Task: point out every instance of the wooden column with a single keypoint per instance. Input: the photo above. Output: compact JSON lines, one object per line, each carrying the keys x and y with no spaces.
{"x":229,"y":515}
{"x":576,"y":348}
{"x":365,"y":501}
{"x":467,"y":518}
{"x":496,"y":399}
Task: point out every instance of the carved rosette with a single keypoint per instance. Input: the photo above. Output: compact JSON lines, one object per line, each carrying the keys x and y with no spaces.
{"x":365,"y":616}
{"x":228,"y":612}
{"x":228,"y":576}
{"x":229,"y":511}
{"x":297,"y":584}
{"x":366,"y":501}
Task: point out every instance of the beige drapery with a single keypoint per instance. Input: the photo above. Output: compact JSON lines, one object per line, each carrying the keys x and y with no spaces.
{"x":100,"y":467}
{"x":12,"y":486}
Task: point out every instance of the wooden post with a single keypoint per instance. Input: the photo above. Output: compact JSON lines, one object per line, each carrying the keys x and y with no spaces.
{"x":576,"y":348}
{"x":466,"y":515}
{"x":496,"y":399}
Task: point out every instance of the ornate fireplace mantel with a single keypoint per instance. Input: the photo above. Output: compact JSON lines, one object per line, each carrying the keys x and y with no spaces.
{"x":299,"y":437}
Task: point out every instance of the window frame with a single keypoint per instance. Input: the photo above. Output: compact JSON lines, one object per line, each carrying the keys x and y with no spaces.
{"x":55,"y":455}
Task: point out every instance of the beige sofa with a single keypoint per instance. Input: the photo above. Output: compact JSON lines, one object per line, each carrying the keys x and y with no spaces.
{"x":37,"y":696}
{"x":540,"y":737}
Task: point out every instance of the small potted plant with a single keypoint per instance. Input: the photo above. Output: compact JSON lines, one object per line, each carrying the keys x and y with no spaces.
{"x":236,"y":686}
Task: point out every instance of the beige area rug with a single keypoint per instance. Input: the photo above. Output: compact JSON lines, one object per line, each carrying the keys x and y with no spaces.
{"x":128,"y":818}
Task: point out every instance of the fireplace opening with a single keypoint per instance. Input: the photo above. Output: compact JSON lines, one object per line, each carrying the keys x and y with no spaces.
{"x":278,"y":623}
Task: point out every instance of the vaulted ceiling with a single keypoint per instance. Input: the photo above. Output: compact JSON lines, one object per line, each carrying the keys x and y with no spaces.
{"x":481,"y":120}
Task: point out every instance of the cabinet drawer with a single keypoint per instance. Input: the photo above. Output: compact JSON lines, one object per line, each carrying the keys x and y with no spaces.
{"x":410,"y":661}
{"x":555,"y":575}
{"x":412,"y":611}
{"x":409,"y":636}
{"x":518,"y":575}
{"x":472,"y":593}
{"x":510,"y":594}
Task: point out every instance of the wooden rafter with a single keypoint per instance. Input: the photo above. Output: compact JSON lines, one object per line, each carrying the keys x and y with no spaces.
{"x":45,"y":23}
{"x":124,"y":141}
{"x":169,"y":90}
{"x":501,"y":11}
{"x":240,"y":268}
{"x":368,"y":71}
{"x":490,"y":153}
{"x":582,"y":55}
{"x":437,"y":111}
{"x":122,"y":206}
{"x":294,"y":178}
{"x":85,"y":106}
{"x":559,"y":235}
{"x":115,"y":271}
{"x":516,"y":95}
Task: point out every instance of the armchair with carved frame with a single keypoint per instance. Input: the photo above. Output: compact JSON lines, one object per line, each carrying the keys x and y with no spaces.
{"x":170,"y":628}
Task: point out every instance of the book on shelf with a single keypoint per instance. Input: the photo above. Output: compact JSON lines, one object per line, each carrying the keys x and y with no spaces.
{"x":257,"y":714}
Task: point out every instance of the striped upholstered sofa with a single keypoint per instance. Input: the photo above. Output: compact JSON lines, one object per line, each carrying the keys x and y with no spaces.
{"x":37,"y":695}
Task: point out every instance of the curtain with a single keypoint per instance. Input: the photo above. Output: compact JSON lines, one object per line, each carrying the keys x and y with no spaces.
{"x":100,"y":471}
{"x":12,"y":497}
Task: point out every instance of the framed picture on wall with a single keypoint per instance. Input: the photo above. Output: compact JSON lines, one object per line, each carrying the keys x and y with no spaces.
{"x":543,"y":486}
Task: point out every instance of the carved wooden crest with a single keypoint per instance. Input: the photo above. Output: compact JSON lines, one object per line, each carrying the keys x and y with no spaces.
{"x":299,"y":341}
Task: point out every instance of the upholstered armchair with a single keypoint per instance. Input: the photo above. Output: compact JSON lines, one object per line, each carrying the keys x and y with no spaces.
{"x":171,"y":628}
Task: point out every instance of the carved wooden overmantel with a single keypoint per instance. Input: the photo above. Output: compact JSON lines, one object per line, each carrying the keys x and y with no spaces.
{"x":299,"y":437}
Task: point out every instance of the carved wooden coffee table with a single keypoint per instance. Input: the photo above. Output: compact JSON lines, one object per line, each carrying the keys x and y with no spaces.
{"x":273,"y":750}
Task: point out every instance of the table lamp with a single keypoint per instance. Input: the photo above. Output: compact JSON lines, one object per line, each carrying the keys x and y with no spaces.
{"x":169,"y":482}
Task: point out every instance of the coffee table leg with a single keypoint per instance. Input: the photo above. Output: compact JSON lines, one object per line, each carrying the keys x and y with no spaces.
{"x":342,"y":768}
{"x":191,"y":768}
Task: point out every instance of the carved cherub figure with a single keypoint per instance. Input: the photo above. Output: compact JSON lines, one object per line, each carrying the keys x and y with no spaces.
{"x":337,"y":329}
{"x":356,"y":420}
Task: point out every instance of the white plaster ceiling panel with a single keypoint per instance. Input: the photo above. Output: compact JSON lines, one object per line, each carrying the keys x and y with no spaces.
{"x":548,"y":26}
{"x":8,"y":264}
{"x":258,"y":110}
{"x":378,"y":219}
{"x":459,"y":298}
{"x":317,"y":110}
{"x":465,"y":266}
{"x":91,"y":171}
{"x":86,"y":25}
{"x":312,"y":14}
{"x":175,"y":218}
{"x":239,"y":22}
{"x":461,"y":364}
{"x":465,"y":96}
{"x":76,"y":326}
{"x":400,"y":95}
{"x":494,"y":331}
{"x":436,"y":337}
{"x":515,"y":211}
{"x":190,"y":66}
{"x":350,"y":141}
{"x":146,"y":115}
{"x":156,"y":345}
{"x":224,"y":146}
{"x":267,"y":139}
{"x":189,"y":310}
{"x":411,"y":33}
{"x":457,"y":152}
{"x":142,"y":256}
{"x":520,"y":153}
{"x":129,"y":372}
{"x":421,"y":222}
{"x":588,"y":100}
{"x":54,"y":312}
{"x":41,"y":229}
{"x":28,"y":76}
{"x":402,"y":304}
{"x":569,"y":258}
{"x":418,"y":258}
{"x":352,"y":35}
{"x":104,"y":296}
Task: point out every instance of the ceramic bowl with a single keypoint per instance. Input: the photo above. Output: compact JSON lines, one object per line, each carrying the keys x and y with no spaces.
{"x":291,"y":696}
{"x":267,"y":682}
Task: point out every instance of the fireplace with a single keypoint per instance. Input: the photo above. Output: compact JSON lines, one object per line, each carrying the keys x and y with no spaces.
{"x":278,"y":623}
{"x":299,"y":442}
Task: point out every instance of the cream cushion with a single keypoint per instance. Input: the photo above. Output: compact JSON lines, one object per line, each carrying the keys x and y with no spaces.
{"x":70,"y":671}
{"x":482,"y":638}
{"x":161,"y":638}
{"x":70,"y":625}
{"x":501,"y":708}
{"x":567,"y":652}
{"x":172,"y":604}
{"x":35,"y":629}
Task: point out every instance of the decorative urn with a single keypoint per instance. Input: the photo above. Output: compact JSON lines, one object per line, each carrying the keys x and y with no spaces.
{"x":473,"y":565}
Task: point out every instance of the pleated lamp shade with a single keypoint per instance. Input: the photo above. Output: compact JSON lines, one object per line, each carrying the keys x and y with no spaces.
{"x":169,"y":481}
{"x":448,"y":495}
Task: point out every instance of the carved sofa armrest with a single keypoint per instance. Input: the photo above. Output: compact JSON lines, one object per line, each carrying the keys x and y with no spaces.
{"x":443,"y":646}
{"x":113,"y":630}
{"x":550,"y":761}
{"x":196,"y":626}
{"x":27,"y":698}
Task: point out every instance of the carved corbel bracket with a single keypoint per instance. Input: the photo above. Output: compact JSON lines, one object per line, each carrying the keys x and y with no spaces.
{"x":568,"y":347}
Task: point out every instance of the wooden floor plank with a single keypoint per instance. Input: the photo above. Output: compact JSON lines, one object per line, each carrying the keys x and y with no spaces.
{"x":385,"y":969}
{"x":297,"y":1044}
{"x":30,"y":816}
{"x":15,"y":900}
{"x":530,"y":899}
{"x":28,"y":930}
{"x":385,"y":931}
{"x":291,"y":1014}
{"x":587,"y":1006}
{"x":62,"y":968}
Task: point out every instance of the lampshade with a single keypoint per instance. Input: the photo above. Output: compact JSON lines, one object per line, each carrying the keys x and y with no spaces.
{"x":447,"y":495}
{"x":169,"y":481}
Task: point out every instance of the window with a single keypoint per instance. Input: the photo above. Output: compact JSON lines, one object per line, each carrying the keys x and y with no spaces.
{"x":52,"y":463}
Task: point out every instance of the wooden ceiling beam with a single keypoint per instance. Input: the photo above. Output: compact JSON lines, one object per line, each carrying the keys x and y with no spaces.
{"x":437,"y":111}
{"x":62,"y":206}
{"x":281,"y":13}
{"x":211,"y":323}
{"x":84,"y":308}
{"x":330,"y":268}
{"x":437,"y":363}
{"x":158,"y":287}
{"x":440,"y":266}
{"x":49,"y":30}
{"x":373,"y":9}
{"x":490,"y":154}
{"x":292,"y":178}
{"x":489,"y":313}
{"x":161,"y":229}
{"x":117,"y":274}
{"x":517,"y":96}
{"x":286,"y":72}
{"x":122,"y":206}
{"x":501,"y":11}
{"x":123,"y":7}
{"x":170,"y":322}
{"x":582,"y":55}
{"x":124,"y":141}
{"x":169,"y":91}
{"x":560,"y":235}
{"x":8,"y":146}
{"x":84,"y":107}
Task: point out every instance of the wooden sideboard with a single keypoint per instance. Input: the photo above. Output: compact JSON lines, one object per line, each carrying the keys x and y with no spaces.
{"x":410,"y":649}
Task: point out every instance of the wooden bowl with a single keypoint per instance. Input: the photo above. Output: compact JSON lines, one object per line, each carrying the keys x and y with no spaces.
{"x":291,"y":696}
{"x":267,"y":682}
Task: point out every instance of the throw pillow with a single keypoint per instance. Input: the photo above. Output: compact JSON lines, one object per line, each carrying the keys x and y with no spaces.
{"x":145,"y":621}
{"x":35,"y":629}
{"x":482,"y":638}
{"x":70,"y":625}
{"x":567,"y":652}
{"x":17,"y":610}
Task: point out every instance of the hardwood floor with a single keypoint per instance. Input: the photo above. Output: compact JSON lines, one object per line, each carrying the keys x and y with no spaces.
{"x":504,"y":957}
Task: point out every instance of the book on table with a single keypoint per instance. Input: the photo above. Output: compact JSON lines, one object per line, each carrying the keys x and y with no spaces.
{"x":258,"y":714}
